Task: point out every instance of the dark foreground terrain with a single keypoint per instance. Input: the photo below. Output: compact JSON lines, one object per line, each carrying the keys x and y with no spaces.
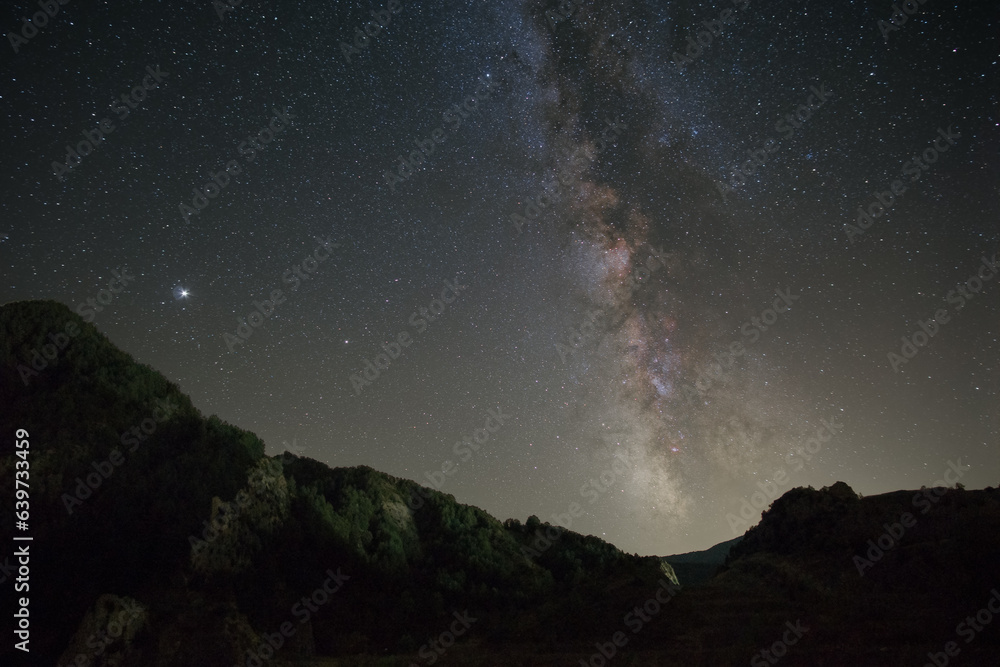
{"x":162,"y":537}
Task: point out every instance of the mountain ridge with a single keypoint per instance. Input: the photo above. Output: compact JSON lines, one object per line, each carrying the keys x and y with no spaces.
{"x":212,"y":527}
{"x":186,"y":544}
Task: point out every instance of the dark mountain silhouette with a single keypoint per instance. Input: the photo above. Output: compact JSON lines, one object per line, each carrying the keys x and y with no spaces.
{"x":217,"y":542}
{"x":697,"y":567}
{"x":162,"y":537}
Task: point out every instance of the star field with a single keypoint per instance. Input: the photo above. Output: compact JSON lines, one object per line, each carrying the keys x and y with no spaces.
{"x":575,"y":197}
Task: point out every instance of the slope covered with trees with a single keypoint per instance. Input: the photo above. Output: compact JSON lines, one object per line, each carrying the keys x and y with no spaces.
{"x":137,"y":496}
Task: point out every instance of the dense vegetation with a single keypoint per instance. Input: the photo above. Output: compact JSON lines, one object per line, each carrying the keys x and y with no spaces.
{"x":178,"y":530}
{"x":191,"y":505}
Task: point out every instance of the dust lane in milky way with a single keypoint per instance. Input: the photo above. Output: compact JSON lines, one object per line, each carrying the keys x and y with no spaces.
{"x":681,"y":246}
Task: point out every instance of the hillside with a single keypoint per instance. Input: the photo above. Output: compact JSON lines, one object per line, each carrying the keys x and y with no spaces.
{"x":187,"y":516}
{"x":697,"y":567}
{"x":164,"y":537}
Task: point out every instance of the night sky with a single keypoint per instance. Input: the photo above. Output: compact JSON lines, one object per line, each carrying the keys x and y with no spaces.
{"x":572,"y":248}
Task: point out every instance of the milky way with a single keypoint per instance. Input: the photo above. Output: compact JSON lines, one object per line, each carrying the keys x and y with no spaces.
{"x":642,"y":213}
